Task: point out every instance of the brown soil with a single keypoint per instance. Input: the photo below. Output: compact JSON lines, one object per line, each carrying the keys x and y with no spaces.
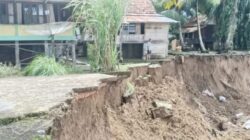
{"x":132,"y":122}
{"x":196,"y":116}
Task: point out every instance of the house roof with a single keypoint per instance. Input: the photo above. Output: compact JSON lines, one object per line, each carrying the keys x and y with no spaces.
{"x":148,"y":19}
{"x":143,"y":11}
{"x":140,"y":7}
{"x":191,"y":26}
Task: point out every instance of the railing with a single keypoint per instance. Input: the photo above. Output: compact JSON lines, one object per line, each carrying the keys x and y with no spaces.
{"x":132,"y":38}
{"x":60,"y":31}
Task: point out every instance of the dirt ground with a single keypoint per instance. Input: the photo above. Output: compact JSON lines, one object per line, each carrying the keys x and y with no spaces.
{"x":195,"y":116}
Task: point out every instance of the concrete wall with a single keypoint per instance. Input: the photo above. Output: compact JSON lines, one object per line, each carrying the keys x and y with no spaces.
{"x":158,"y":33}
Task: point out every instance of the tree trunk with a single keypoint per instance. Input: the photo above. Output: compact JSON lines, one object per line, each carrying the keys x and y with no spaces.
{"x":232,"y":27}
{"x":181,"y":37}
{"x":203,"y":49}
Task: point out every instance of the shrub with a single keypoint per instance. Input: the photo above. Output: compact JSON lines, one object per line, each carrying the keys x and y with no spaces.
{"x":44,"y":66}
{"x":8,"y":70}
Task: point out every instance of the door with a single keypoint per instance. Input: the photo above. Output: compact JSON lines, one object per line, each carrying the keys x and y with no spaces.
{"x":132,"y":51}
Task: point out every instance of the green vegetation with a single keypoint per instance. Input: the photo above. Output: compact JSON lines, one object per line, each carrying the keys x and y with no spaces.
{"x":74,"y":69}
{"x":44,"y":66}
{"x":41,"y":66}
{"x":182,"y":10}
{"x":232,"y":19}
{"x":102,"y":19}
{"x":130,"y":88}
{"x":233,"y":24}
{"x":9,"y":70}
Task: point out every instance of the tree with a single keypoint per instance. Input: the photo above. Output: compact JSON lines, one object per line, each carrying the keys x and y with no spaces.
{"x":206,"y":8}
{"x":233,"y":25}
{"x":203,"y":49}
{"x":226,"y":22}
{"x":102,"y":19}
{"x":242,"y":35}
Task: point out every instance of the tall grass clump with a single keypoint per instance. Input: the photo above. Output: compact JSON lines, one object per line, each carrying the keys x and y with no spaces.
{"x":102,"y":19}
{"x":7,"y":70}
{"x":44,"y":66}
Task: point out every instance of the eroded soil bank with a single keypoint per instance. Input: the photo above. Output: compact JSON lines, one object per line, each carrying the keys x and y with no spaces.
{"x":192,"y":85}
{"x":196,"y":114}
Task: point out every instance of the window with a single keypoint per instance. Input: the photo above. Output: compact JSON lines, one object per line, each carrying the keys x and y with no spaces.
{"x":143,"y":28}
{"x":61,"y":13}
{"x":30,"y":13}
{"x":129,"y":29}
{"x":4,"y":16}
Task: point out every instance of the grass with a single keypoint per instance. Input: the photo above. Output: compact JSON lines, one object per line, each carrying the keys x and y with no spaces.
{"x":75,"y":69}
{"x":44,"y":66}
{"x":9,"y":70}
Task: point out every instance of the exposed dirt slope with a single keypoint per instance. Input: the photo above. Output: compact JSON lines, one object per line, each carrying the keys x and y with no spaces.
{"x":196,"y":116}
{"x":226,"y":76}
{"x":132,"y":122}
{"x":191,"y":119}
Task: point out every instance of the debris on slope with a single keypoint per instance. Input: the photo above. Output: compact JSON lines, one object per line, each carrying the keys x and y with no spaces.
{"x":180,"y":114}
{"x":135,"y":120}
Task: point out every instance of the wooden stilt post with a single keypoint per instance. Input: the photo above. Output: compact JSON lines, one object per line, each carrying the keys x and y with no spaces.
{"x":46,"y":48}
{"x":74,"y":53}
{"x":17,"y":54}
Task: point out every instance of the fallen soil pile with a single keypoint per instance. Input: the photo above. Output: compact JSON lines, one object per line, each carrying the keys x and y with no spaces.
{"x":209,"y":98}
{"x":134,"y":120}
{"x":191,"y":120}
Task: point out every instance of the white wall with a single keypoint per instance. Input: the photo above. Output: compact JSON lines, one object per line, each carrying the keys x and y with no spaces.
{"x":158,"y":33}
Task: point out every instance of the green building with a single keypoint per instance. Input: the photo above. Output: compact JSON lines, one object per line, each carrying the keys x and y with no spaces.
{"x":32,"y":27}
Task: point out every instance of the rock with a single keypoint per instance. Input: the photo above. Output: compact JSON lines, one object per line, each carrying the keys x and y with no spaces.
{"x":223,"y":126}
{"x":239,"y":115}
{"x":145,"y":81}
{"x":222,"y":99}
{"x":156,"y":73}
{"x":162,"y":112}
{"x":208,"y":93}
{"x":163,"y":109}
{"x":246,"y":125}
{"x":165,"y":104}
